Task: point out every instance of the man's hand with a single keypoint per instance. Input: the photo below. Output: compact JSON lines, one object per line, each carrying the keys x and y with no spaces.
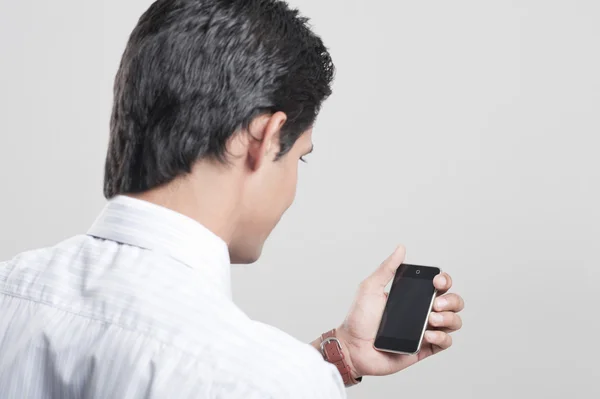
{"x":358,"y":331}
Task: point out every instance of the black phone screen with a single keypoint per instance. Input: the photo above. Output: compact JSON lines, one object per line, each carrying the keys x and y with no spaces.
{"x":407,"y":309}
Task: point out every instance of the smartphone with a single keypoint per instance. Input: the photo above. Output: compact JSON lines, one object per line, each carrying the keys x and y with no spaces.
{"x":406,"y":312}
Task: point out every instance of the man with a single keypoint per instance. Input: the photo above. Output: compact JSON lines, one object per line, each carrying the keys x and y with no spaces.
{"x":214,"y":106}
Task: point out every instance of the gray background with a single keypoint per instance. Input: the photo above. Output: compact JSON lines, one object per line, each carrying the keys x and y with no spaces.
{"x":467,"y":130}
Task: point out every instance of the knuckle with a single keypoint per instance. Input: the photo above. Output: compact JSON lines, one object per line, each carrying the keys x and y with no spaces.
{"x":365,"y":285}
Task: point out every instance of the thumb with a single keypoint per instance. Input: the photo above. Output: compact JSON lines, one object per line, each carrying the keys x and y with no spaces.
{"x":385,"y":272}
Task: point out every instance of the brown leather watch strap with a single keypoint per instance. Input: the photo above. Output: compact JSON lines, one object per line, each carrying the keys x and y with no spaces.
{"x":332,"y":352}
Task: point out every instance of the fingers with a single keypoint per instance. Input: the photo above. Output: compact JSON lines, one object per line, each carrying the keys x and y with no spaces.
{"x":385,"y":272}
{"x":438,"y":338}
{"x":445,"y":321}
{"x":449,"y":303}
{"x":442,"y":282}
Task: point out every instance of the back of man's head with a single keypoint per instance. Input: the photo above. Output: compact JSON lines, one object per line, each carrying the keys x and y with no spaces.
{"x":197,"y":71}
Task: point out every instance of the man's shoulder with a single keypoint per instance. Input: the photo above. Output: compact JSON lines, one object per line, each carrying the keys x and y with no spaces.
{"x":35,"y":261}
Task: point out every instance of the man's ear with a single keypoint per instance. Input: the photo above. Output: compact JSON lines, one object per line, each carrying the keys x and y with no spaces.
{"x":264,"y":140}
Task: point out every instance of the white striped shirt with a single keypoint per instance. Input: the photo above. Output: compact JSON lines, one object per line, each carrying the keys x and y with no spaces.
{"x":141,"y":307}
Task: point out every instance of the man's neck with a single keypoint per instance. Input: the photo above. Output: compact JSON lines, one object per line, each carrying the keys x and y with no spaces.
{"x":208,"y":195}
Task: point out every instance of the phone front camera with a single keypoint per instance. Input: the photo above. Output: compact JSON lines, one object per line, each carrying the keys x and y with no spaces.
{"x":418,"y":271}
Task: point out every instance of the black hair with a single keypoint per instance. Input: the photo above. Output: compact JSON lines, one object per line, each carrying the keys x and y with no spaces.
{"x":196,"y":71}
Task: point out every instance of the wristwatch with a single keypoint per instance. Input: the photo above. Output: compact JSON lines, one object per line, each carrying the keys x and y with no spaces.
{"x":331,"y":349}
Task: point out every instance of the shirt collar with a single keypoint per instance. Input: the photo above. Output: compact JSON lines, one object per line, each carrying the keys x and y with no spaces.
{"x":142,"y":224}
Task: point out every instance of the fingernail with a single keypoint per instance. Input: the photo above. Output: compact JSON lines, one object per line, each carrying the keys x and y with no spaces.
{"x":443,"y":280}
{"x":441,"y":303}
{"x":437,"y":318}
{"x":430,"y":335}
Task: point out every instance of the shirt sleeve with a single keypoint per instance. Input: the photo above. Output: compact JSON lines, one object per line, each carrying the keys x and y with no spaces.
{"x":317,"y":379}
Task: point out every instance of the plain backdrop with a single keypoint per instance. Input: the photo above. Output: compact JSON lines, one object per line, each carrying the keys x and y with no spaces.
{"x":466,"y":130}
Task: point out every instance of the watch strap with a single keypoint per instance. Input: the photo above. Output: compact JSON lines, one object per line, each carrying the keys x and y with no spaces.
{"x":331,"y":350}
